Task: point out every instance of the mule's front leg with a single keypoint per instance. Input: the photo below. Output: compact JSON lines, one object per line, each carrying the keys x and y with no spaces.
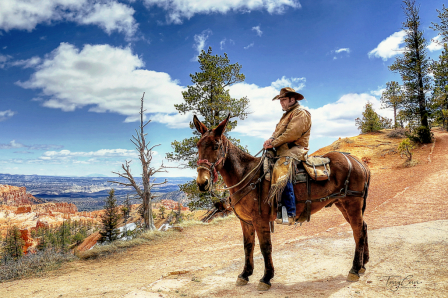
{"x":249,"y":243}
{"x":264,"y":237}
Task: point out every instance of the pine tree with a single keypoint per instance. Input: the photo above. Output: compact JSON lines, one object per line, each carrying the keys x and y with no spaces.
{"x":208,"y":97}
{"x":392,"y":97}
{"x":162,"y":210}
{"x":110,"y":219}
{"x":370,"y":121}
{"x":440,"y":71}
{"x":13,"y":244}
{"x":64,"y":235}
{"x":414,"y":68}
{"x":442,"y":27}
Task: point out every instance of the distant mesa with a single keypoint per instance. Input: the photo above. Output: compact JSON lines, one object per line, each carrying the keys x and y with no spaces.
{"x":17,"y":196}
{"x":96,"y":175}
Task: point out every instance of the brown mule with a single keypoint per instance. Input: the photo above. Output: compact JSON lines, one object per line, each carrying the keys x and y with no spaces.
{"x":216,"y":153}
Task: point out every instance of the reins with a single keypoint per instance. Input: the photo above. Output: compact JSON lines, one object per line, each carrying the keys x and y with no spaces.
{"x":243,"y":191}
{"x":252,"y":171}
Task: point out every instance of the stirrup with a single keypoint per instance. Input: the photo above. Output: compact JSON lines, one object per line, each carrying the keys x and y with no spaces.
{"x":282,"y":217}
{"x":285,"y":220}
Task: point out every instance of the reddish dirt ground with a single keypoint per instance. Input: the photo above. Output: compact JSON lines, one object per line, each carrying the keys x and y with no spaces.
{"x":408,"y":223}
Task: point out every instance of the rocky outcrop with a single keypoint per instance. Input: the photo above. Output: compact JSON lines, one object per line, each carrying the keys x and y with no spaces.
{"x":49,"y":208}
{"x":89,"y":242}
{"x":16,"y":196}
{"x":26,"y":236}
{"x":170,"y":205}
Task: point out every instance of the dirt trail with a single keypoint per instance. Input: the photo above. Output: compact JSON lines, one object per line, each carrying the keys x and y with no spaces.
{"x":408,"y":238}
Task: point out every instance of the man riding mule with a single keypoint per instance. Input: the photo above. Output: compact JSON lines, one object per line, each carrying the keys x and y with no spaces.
{"x":290,"y":140}
{"x":346,"y":188}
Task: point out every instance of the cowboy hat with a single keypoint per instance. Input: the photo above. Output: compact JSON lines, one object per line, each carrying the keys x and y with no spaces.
{"x":289,"y":92}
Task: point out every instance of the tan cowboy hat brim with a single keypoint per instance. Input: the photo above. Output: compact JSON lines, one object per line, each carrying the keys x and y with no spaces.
{"x":296,"y":95}
{"x":289,"y":92}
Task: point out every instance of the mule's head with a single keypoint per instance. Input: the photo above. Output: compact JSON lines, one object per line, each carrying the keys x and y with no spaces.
{"x":210,"y":152}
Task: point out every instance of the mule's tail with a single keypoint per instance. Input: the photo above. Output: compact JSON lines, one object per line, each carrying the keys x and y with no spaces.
{"x":367,"y":189}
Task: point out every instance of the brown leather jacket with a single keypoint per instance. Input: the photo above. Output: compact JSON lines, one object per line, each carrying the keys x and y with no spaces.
{"x":292,"y":133}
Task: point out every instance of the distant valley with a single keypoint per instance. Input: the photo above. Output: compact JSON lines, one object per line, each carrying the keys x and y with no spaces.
{"x":88,"y":193}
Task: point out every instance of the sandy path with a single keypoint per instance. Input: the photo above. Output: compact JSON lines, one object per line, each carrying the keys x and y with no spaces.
{"x":408,"y":225}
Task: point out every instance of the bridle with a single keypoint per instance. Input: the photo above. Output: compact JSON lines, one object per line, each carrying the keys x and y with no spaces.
{"x":235,"y":197}
{"x":212,"y":166}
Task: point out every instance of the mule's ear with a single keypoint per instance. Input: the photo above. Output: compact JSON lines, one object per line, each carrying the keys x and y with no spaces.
{"x":221,"y":127}
{"x":199,"y":125}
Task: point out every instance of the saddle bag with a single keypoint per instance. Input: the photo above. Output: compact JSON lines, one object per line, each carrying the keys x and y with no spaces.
{"x":318,"y":167}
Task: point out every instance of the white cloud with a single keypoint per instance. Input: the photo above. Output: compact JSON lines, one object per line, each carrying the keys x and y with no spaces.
{"x":436,"y":44}
{"x":265,"y":112}
{"x":295,"y":83}
{"x":222,"y":43}
{"x":249,"y":46}
{"x":177,"y":10}
{"x":4,"y":59}
{"x":14,"y":145}
{"x":27,"y":63}
{"x":98,"y":153}
{"x":257,"y":30}
{"x":389,"y":47}
{"x":335,"y":119}
{"x":104,"y":78}
{"x":378,"y":92}
{"x":199,"y":42}
{"x":110,"y":15}
{"x":343,"y":50}
{"x":4,"y":115}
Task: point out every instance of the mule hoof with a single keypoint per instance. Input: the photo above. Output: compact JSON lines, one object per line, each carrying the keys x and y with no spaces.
{"x":352,"y":277}
{"x":263,"y":287}
{"x":362,"y":270}
{"x":241,"y":282}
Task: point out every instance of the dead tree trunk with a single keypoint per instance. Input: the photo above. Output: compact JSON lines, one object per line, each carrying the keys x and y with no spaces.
{"x":145,"y":156}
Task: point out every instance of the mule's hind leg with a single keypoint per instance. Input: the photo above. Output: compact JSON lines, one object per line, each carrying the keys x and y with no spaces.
{"x":365,"y":257}
{"x":351,"y":208}
{"x":249,"y":243}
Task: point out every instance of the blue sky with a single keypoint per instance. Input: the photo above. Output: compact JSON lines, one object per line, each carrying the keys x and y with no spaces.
{"x":72,"y":71}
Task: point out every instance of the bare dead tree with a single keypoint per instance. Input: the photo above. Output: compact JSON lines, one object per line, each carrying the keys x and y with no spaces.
{"x":145,"y":156}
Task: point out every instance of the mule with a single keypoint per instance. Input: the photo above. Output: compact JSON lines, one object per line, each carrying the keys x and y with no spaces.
{"x":217,"y":153}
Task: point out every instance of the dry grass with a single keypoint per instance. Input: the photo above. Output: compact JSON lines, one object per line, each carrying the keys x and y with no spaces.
{"x":33,"y":264}
{"x":410,"y":163}
{"x":219,"y":220}
{"x":336,"y":145}
{"x":118,"y":246}
{"x":196,"y":222}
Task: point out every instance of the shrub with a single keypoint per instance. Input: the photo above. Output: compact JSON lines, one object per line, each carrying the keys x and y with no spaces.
{"x":397,"y":133}
{"x":422,"y":135}
{"x":405,"y":148}
{"x":33,"y":264}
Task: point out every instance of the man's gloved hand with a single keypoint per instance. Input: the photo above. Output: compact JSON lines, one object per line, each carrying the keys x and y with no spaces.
{"x":267,"y":144}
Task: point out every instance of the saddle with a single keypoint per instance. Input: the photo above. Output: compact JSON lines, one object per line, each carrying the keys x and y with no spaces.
{"x":317,"y":167}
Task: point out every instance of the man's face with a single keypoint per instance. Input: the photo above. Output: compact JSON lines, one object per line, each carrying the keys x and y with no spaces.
{"x":286,"y":102}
